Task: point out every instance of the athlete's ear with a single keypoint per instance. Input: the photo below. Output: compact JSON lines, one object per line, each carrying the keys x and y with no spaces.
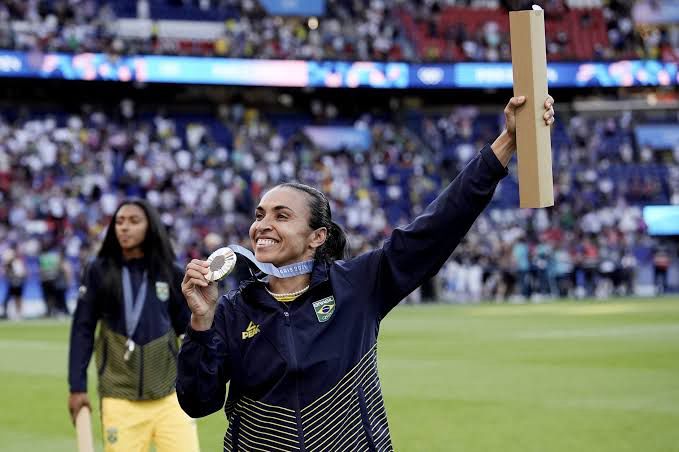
{"x":318,"y":237}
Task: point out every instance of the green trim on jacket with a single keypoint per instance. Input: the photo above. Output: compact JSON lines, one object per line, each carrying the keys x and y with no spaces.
{"x":149,"y":374}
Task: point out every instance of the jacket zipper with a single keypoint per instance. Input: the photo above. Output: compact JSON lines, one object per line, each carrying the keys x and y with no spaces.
{"x":291,"y":344}
{"x":365,"y":419}
{"x":141,"y":372}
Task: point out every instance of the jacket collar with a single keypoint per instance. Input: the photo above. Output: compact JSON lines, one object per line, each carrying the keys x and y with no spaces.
{"x":319,"y":275}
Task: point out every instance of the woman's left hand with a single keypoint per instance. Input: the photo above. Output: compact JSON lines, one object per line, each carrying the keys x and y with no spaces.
{"x":505,"y":145}
{"x":516,"y":102}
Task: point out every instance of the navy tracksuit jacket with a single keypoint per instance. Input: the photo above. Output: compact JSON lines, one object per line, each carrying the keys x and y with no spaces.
{"x":303,"y":375}
{"x":150,"y":372}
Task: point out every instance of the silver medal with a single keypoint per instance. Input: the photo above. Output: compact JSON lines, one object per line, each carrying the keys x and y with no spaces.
{"x":221,"y":263}
{"x":130,"y":348}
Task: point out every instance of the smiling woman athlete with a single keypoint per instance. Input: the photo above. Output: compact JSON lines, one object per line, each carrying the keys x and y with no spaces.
{"x":300,"y":352}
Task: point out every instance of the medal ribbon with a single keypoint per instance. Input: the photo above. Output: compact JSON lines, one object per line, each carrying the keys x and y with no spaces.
{"x":133,"y":308}
{"x":286,"y":271}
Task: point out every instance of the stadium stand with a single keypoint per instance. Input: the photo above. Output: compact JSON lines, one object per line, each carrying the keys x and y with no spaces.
{"x":62,"y":173}
{"x":61,"y":176}
{"x":413,"y":30}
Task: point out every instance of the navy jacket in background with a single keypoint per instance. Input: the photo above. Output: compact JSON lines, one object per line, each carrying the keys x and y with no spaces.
{"x":165,"y":316}
{"x":303,"y":375}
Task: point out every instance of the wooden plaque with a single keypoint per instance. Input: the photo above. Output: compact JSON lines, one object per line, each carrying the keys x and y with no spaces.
{"x":533,"y":141}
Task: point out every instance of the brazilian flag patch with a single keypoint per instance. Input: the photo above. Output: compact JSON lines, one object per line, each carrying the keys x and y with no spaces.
{"x":162,"y":290}
{"x":324,"y":308}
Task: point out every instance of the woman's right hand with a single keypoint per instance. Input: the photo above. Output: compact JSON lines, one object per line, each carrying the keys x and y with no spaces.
{"x":76,"y":401}
{"x":200,"y":294}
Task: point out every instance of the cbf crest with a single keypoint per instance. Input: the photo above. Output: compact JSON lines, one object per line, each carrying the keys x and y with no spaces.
{"x":162,"y":290}
{"x":324,"y":308}
{"x":112,"y":435}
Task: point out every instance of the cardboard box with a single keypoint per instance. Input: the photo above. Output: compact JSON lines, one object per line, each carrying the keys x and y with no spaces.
{"x":533,"y":140}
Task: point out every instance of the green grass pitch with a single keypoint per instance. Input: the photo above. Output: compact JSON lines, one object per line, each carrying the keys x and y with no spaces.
{"x":563,"y":376}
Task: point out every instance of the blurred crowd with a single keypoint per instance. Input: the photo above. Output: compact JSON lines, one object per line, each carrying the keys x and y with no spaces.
{"x":349,"y":30}
{"x":575,"y":30}
{"x":592,"y":243}
{"x":63,"y":175}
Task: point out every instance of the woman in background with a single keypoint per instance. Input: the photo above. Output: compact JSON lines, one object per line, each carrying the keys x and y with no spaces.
{"x":132,"y":290}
